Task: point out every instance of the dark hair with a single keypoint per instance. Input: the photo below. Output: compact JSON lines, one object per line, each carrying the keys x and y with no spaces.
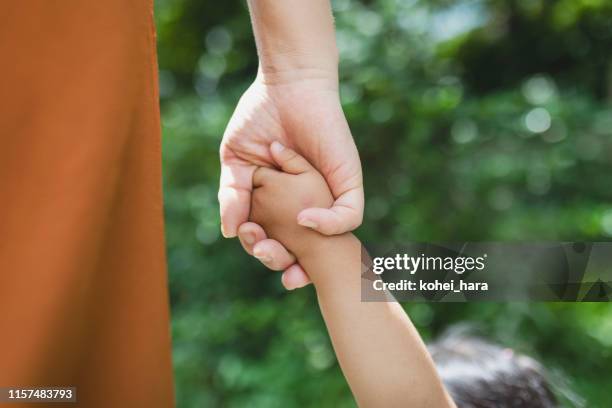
{"x":479,"y":374}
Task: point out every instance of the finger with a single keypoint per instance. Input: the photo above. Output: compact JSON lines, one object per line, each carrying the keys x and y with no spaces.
{"x":273,"y":254}
{"x":262,"y":175}
{"x":234,"y":196}
{"x":250,"y":234}
{"x":288,"y":160}
{"x":295,"y":277}
{"x":345,"y":215}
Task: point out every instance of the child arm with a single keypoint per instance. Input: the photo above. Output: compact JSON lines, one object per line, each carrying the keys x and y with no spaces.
{"x":379,"y":350}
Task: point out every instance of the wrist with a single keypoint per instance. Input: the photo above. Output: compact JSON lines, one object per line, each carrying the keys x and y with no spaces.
{"x":275,"y":72}
{"x":330,"y":260}
{"x":312,"y":244}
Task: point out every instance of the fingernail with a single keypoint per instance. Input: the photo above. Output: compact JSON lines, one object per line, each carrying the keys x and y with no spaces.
{"x":299,"y":286}
{"x":263,"y":258}
{"x":307,"y":223}
{"x":225,"y":233}
{"x":249,"y":239}
{"x":285,"y":283}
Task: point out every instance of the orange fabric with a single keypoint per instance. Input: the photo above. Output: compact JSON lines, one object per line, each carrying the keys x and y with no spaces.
{"x":83,"y":291}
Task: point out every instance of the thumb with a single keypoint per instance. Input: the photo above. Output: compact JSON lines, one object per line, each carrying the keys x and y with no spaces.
{"x":288,"y":160}
{"x":345,"y":215}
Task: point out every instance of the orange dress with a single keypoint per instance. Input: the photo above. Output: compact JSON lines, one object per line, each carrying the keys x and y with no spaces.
{"x":83,"y":286}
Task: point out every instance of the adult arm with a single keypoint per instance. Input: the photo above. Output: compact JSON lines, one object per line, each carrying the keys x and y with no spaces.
{"x":295,"y":39}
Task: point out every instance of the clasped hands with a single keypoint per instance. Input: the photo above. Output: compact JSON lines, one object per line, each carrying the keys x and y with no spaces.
{"x":305,"y":116}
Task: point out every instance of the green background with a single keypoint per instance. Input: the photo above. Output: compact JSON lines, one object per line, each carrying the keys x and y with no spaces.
{"x":475,"y":120}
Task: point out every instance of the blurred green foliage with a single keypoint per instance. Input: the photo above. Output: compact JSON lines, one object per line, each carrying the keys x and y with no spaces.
{"x":475,"y":120}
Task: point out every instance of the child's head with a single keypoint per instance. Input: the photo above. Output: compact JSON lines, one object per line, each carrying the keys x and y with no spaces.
{"x":479,"y":374}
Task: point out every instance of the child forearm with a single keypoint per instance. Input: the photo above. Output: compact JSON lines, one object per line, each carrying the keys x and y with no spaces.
{"x":379,"y":350}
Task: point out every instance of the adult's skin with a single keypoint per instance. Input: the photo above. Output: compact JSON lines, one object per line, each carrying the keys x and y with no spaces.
{"x":294,"y":99}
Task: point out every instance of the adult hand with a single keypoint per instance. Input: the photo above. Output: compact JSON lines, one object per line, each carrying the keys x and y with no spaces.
{"x":303,"y":113}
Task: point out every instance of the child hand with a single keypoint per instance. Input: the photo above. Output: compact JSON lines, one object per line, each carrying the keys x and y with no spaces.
{"x":279,"y":196}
